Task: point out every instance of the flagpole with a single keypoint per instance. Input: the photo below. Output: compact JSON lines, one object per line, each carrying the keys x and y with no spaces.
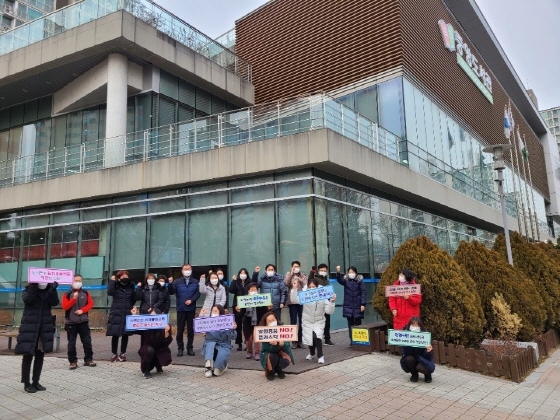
{"x":527,"y":192}
{"x":518,"y":198}
{"x":532,"y":192}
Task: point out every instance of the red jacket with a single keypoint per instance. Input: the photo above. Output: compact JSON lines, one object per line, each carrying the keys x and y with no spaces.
{"x":67,"y":304}
{"x":406,"y":308}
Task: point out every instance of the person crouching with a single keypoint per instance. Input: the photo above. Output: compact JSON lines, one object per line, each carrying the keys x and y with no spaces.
{"x":217,"y":346}
{"x":417,"y":359}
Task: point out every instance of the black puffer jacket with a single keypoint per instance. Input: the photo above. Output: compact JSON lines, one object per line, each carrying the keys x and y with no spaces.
{"x":151,"y":298}
{"x":124,"y":298}
{"x":37,"y":321}
{"x":166,"y":300}
{"x":238,"y":288}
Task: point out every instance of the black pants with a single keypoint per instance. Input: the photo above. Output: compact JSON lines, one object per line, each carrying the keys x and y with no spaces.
{"x":185,"y":317}
{"x":296,"y":312}
{"x":278,"y":363}
{"x":37,"y":366}
{"x":115,"y":344}
{"x":239,"y":329}
{"x":327,"y":327}
{"x":152,"y":362}
{"x":415,"y":366}
{"x":353,"y":322}
{"x":317,"y":343}
{"x":72,"y":332}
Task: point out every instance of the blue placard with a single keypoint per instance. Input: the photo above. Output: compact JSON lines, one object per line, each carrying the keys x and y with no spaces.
{"x":146,"y":322}
{"x":313,"y":295}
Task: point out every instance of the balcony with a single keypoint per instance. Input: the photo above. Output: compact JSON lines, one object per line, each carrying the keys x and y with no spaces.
{"x":88,"y":10}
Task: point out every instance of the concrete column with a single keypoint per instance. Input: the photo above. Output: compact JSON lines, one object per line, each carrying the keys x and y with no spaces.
{"x":115,"y":128}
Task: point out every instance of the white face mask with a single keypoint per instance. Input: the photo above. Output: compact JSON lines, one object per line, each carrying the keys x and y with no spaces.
{"x":161,"y":283}
{"x":187,"y":273}
{"x":323,"y":273}
{"x":402,"y":278}
{"x":270,"y":273}
{"x":296,"y":270}
{"x":42,"y":286}
{"x":243,"y":276}
{"x":414,"y":329}
{"x":151,"y":282}
{"x":252,"y":293}
{"x":352,"y":275}
{"x":77,"y":285}
{"x":212,"y":315}
{"x":214,"y":282}
{"x":273,"y":324}
{"x":220,"y":276}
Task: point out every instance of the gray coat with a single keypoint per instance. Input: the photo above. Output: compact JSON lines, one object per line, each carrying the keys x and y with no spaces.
{"x":213,"y":297}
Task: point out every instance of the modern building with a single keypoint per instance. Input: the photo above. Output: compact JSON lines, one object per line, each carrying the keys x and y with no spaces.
{"x":552,"y":119}
{"x":129,"y":140}
{"x":14,"y":13}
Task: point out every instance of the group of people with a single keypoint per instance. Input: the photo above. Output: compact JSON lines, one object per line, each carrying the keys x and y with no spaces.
{"x":36,"y":334}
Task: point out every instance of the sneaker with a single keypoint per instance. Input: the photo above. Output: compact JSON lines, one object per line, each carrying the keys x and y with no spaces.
{"x":414,"y":377}
{"x":147,"y":375}
{"x":329,"y":342}
{"x":294,"y":345}
{"x":249,"y":355}
{"x":180,"y":353}
{"x":281,"y":374}
{"x":90,"y":363}
{"x":122,"y":357}
{"x":310,"y":357}
{"x":29,"y":388}
{"x":257,"y":355}
{"x":239,"y":347}
{"x":38,"y":386}
{"x":74,"y":365}
{"x":208,"y":373}
{"x":428,"y":378}
{"x":190,"y":352}
{"x":321,"y":360}
{"x":218,"y":372}
{"x":114,"y":358}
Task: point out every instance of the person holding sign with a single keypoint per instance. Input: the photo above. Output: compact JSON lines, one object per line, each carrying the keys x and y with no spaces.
{"x":214,"y":291}
{"x":322,"y":277}
{"x":272,"y":283}
{"x":251,"y":317}
{"x":354,"y":297}
{"x":124,"y":298}
{"x":417,"y":359}
{"x":217,"y":346}
{"x":238,"y":287}
{"x":275,"y":355}
{"x":295,"y":281}
{"x":154,"y":349}
{"x":36,"y":331}
{"x":406,"y":306}
{"x":314,"y":323}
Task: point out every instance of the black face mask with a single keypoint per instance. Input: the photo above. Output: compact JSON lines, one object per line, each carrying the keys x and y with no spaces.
{"x":125,"y":281}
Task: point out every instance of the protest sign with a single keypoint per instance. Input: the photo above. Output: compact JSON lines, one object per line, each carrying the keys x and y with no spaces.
{"x":407,"y":289}
{"x":360,"y":336}
{"x":49,"y":275}
{"x":279,"y":333}
{"x":253,"y":301}
{"x":216,"y":323}
{"x":146,"y":322}
{"x":313,"y":295}
{"x":409,"y":338}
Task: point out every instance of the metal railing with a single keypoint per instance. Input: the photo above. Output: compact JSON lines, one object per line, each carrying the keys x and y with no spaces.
{"x":88,"y":10}
{"x":39,"y":5}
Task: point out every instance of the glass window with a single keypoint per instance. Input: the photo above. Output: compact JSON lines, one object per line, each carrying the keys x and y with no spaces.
{"x":130,"y":244}
{"x":391,"y":109}
{"x":218,"y":105}
{"x":14,"y":147}
{"x":359,"y":243}
{"x":17,"y":115}
{"x":43,"y":139}
{"x":208,"y":237}
{"x":5,"y":118}
{"x":167,"y":241}
{"x":90,"y":125}
{"x":168,"y":84}
{"x":74,"y":128}
{"x":143,"y":113}
{"x":31,"y":109}
{"x":366,"y":102}
{"x":34,"y":245}
{"x":187,"y":93}
{"x":4,"y":145}
{"x":203,"y":101}
{"x":295,"y":233}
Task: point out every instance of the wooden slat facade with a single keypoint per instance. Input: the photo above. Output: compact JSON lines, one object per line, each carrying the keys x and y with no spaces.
{"x":296,"y":47}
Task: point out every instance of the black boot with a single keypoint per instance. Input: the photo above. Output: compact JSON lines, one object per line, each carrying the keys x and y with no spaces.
{"x":180,"y":353}
{"x":428,"y":378}
{"x":29,"y":388}
{"x":414,"y":377}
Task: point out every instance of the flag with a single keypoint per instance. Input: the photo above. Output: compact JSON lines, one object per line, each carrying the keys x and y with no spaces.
{"x":522,"y":147}
{"x":507,"y":127}
{"x":510,"y":119}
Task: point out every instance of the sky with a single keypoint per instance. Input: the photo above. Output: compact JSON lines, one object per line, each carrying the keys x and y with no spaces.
{"x":527,"y":30}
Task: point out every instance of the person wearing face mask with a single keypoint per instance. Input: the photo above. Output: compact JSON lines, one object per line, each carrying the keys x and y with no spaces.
{"x":36,"y":331}
{"x":276,"y":355}
{"x":165,"y":293}
{"x":407,"y":306}
{"x":295,"y":281}
{"x":215,"y":294}
{"x":354,"y":297}
{"x":273,"y":283}
{"x":321,"y":275}
{"x":417,"y":359}
{"x":150,"y":295}
{"x":124,"y":298}
{"x":187,"y":290}
{"x":251,"y":317}
{"x":238,"y":287}
{"x":76,"y":304}
{"x":223,"y":282}
{"x":314,"y":323}
{"x":217,"y":346}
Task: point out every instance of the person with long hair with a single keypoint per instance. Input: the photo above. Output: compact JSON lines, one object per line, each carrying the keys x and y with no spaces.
{"x":166,"y":298}
{"x":417,"y":359}
{"x":215,"y":294}
{"x":276,"y":355}
{"x":150,"y":295}
{"x":238,"y":287}
{"x":217,"y":346}
{"x":406,"y":306}
{"x":354,"y":297}
{"x":124,"y":298}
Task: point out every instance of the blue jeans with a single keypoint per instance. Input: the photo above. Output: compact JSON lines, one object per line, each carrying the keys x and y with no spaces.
{"x":296,"y":312}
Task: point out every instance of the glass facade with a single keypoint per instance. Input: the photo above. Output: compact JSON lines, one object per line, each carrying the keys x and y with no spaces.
{"x":308,"y":216}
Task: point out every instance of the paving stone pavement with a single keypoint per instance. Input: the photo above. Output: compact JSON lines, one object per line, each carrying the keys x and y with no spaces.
{"x":366,"y":387}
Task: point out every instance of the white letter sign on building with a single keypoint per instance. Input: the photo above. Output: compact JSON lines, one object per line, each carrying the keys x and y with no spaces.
{"x":453,"y":41}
